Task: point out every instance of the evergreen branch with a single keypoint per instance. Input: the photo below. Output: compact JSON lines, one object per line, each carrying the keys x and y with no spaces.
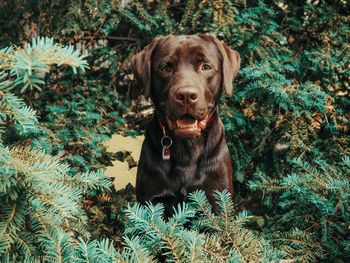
{"x":134,"y":251}
{"x":57,"y":246}
{"x":33,"y":59}
{"x":224,"y":201}
{"x":92,"y":180}
{"x":86,"y":252}
{"x":200,"y":203}
{"x":180,"y":217}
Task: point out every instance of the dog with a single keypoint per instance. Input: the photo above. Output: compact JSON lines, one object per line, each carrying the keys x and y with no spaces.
{"x":184,"y":148}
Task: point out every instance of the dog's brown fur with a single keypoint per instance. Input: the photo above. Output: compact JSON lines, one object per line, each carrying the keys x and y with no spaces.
{"x":185,"y":75}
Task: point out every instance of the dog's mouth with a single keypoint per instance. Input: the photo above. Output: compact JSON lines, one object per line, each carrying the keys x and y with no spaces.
{"x":187,"y":125}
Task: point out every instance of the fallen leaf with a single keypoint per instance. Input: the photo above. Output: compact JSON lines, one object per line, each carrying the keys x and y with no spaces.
{"x":120,"y":170}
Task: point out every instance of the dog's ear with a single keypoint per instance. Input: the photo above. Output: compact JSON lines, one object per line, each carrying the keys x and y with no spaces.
{"x":230,"y":66}
{"x":231,"y":62}
{"x":141,"y":63}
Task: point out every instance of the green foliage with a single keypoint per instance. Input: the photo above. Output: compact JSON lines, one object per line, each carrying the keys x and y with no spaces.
{"x":313,"y":200}
{"x":193,"y":234}
{"x":75,"y":122}
{"x":287,"y":124}
{"x":40,"y":199}
{"x":25,"y":63}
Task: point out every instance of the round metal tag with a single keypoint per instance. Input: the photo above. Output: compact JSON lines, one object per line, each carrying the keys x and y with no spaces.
{"x":166,"y":141}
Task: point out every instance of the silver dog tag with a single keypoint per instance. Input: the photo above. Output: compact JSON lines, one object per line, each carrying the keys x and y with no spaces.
{"x":166,"y":142}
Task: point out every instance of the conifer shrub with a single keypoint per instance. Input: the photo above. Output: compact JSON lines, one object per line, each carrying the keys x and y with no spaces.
{"x":193,"y":234}
{"x":40,"y":200}
{"x":287,"y":124}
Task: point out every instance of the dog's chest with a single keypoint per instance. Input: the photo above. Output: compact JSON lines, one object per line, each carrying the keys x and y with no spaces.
{"x":187,"y":164}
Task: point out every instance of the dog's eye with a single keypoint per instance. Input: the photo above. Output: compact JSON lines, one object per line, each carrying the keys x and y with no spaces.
{"x":206,"y":67}
{"x":165,"y":68}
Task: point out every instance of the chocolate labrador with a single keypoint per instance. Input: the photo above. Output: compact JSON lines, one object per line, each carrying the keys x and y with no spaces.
{"x":184,"y":147}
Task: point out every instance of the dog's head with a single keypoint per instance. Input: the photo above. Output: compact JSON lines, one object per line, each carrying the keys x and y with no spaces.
{"x":184,"y":76}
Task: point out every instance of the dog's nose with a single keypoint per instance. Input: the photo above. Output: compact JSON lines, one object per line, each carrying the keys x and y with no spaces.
{"x":187,"y":95}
